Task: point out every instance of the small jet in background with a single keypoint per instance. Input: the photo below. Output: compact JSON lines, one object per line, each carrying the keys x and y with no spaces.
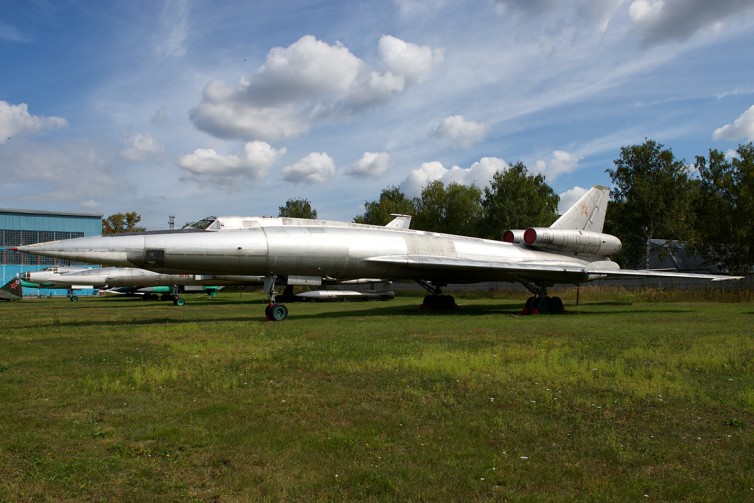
{"x":47,"y":278}
{"x":133,"y":281}
{"x":152,"y":285}
{"x":163,"y":292}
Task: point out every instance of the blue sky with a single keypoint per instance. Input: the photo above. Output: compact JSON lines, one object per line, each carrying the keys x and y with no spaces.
{"x":192,"y":108}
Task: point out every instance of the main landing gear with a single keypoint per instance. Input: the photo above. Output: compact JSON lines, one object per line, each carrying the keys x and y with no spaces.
{"x":177,"y":300}
{"x":436,"y":301}
{"x":273,"y":311}
{"x":540,"y":302}
{"x":173,"y":295}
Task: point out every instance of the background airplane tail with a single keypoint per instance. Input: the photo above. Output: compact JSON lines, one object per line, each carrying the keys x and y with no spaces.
{"x":588,"y":213}
{"x":12,"y":290}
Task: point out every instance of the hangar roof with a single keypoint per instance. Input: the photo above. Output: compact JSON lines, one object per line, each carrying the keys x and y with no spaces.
{"x":45,"y":212}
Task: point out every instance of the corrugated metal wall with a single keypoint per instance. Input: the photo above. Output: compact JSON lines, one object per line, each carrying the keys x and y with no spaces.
{"x":19,"y":227}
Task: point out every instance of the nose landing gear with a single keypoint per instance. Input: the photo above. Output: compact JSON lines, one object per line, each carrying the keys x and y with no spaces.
{"x":273,"y":311}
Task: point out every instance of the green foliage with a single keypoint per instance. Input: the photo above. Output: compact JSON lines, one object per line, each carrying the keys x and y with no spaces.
{"x":517,"y":199}
{"x":119,"y":223}
{"x":298,"y":208}
{"x":455,"y":209}
{"x":392,"y":201}
{"x":725,"y":211}
{"x":653,"y":198}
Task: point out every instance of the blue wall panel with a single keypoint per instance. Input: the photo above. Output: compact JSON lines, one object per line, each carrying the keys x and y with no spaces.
{"x":27,"y":227}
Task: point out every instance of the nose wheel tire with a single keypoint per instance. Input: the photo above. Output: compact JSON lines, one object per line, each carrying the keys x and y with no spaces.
{"x":276,"y":312}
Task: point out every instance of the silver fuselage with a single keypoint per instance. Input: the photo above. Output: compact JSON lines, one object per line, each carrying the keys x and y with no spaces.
{"x":131,"y":276}
{"x":344,"y":251}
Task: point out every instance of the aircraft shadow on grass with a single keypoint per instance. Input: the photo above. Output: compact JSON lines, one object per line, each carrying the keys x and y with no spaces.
{"x":376,"y":312}
{"x":470,"y":309}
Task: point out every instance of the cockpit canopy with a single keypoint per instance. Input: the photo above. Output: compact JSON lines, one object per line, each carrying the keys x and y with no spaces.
{"x":231,"y":223}
{"x":205,"y":224}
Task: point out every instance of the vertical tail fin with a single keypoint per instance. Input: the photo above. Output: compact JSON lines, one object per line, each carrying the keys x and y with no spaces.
{"x":399,"y":222}
{"x":12,"y":290}
{"x":588,"y":213}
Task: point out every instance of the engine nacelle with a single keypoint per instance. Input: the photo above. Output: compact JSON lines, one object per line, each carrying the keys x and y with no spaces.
{"x":513,"y":236}
{"x":572,"y":241}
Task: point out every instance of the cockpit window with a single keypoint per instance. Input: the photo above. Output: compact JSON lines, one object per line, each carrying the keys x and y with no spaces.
{"x":205,"y":224}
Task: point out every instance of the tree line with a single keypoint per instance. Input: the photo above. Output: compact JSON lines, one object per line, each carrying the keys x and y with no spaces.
{"x":708,"y":205}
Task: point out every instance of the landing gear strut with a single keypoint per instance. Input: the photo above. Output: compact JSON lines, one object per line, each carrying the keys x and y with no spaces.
{"x":273,"y":311}
{"x":177,"y":300}
{"x":436,"y":300}
{"x":540,"y":302}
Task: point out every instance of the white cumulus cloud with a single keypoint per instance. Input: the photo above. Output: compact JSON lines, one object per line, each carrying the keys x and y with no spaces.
{"x":309,"y":67}
{"x":480,"y":174}
{"x":253,"y":164}
{"x":316,"y":167}
{"x":413,"y":62}
{"x":371,"y":165}
{"x":306,"y":82}
{"x":461,"y":132}
{"x":743,"y":127}
{"x":569,"y":198}
{"x":560,"y":163}
{"x":141,"y":147}
{"x":16,"y":119}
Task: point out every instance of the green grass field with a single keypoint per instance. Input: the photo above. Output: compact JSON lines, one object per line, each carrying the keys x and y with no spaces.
{"x":621,"y":398}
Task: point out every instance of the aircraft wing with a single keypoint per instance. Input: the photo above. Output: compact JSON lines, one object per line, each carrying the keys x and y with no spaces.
{"x":653,"y":273}
{"x":451,"y":263}
{"x":438,"y":267}
{"x":558,"y":271}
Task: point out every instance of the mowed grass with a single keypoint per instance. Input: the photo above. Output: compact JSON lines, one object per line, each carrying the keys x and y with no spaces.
{"x":619,"y":399}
